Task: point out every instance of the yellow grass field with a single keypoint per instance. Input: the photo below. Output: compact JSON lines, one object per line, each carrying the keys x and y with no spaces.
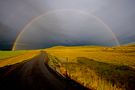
{"x":96,"y":67}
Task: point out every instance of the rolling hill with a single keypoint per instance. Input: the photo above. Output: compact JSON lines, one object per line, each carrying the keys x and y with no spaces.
{"x":94,"y":67}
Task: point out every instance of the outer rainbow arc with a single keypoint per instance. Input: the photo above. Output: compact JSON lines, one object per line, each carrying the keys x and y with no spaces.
{"x":60,"y":10}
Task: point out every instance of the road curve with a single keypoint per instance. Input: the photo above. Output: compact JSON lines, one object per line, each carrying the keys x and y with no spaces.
{"x":34,"y":75}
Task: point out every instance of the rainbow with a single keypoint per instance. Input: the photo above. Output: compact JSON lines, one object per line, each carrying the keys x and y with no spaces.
{"x":63,"y":10}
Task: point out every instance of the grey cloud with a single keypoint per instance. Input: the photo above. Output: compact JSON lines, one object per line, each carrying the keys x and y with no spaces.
{"x":117,"y":14}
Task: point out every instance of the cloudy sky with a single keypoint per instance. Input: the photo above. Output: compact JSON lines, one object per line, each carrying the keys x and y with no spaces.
{"x":67,"y":27}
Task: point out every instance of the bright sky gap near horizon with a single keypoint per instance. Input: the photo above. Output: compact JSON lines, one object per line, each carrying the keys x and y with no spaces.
{"x":118,"y":15}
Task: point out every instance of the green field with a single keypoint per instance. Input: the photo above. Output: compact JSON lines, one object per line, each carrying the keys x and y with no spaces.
{"x":13,"y":57}
{"x":9,"y":54}
{"x":98,"y":68}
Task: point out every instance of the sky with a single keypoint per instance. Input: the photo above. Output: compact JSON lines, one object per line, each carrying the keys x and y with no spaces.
{"x":72,"y":26}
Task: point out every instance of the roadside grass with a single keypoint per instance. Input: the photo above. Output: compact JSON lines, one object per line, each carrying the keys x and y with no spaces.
{"x":98,"y":68}
{"x":119,"y":75}
{"x":14,"y":57}
{"x":54,"y":63}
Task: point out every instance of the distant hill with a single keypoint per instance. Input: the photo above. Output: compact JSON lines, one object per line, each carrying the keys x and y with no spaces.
{"x":129,"y":44}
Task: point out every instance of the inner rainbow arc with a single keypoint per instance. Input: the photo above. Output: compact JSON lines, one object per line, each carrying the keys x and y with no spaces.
{"x":61,"y":10}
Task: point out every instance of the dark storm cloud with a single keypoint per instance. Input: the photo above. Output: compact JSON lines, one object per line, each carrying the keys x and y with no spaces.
{"x":5,"y":40}
{"x":118,"y":14}
{"x":14,"y":14}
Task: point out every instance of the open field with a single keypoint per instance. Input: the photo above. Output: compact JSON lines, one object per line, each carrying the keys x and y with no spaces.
{"x":95,"y":67}
{"x":9,"y":54}
{"x":13,"y":57}
{"x":98,"y":68}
